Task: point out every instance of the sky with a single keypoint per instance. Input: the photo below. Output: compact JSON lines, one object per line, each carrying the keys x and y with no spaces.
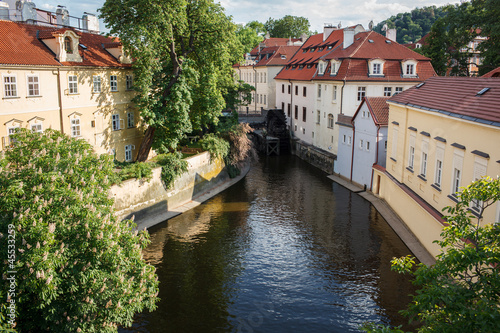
{"x":346,"y":12}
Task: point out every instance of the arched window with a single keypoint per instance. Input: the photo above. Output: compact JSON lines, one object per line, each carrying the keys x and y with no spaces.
{"x":330,"y":120}
{"x":67,"y":45}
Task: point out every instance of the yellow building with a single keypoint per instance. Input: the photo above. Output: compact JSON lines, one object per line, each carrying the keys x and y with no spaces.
{"x":443,"y":134}
{"x":76,"y":82}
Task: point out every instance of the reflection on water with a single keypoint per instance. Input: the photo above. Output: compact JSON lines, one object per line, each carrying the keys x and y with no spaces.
{"x":284,"y":250}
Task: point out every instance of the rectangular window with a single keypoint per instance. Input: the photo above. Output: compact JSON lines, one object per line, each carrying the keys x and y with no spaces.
{"x":296,"y":90}
{"x":367,"y":145}
{"x":361,"y":144}
{"x":36,"y":128}
{"x":283,"y":88}
{"x":96,"y":88}
{"x":410,"y":69}
{"x":330,"y":120}
{"x":75,"y":127}
{"x":480,"y":166}
{"x":11,"y":131}
{"x":128,"y":152}
{"x":304,"y":114}
{"x":130,"y":120}
{"x":115,"y":122}
{"x":283,"y":106}
{"x":289,"y":89}
{"x":361,"y":93}
{"x":73,"y":84}
{"x":456,"y":180}
{"x":344,"y":139}
{"x":349,"y":140}
{"x":265,"y":99}
{"x":423,"y":165}
{"x":376,"y":68}
{"x":10,"y":86}
{"x":439,"y":173}
{"x":130,"y":82}
{"x":458,"y":161}
{"x":411,"y":157}
{"x":385,"y":145}
{"x":33,"y":86}
{"x":318,"y":117}
{"x":334,"y":97}
{"x":265,"y":78}
{"x":113,"y":81}
{"x":319,"y":90}
{"x":387,"y":91}
{"x":304,"y":91}
{"x":394,"y":147}
{"x":289,"y":110}
{"x":398,"y":90}
{"x":296,"y":112}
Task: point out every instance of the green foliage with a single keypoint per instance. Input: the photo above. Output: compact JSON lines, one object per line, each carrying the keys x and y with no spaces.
{"x":79,"y":269}
{"x":216,"y":146}
{"x":412,"y":26}
{"x":139,"y":170}
{"x":250,"y":35}
{"x":183,"y":53}
{"x":460,"y":293}
{"x":172,"y":167}
{"x":287,"y":26}
{"x":379,"y":328}
{"x":239,"y":95}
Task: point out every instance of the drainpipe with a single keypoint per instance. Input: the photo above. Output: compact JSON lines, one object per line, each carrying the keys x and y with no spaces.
{"x":353,"y":144}
{"x":291,"y":105}
{"x":255,"y":80}
{"x":342,"y":97}
{"x":59,"y":97}
{"x":376,"y":157}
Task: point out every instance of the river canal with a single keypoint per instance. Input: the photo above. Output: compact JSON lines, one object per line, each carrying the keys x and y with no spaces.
{"x":284,"y":250}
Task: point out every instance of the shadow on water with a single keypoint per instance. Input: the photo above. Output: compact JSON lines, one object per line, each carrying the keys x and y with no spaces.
{"x":284,"y":250}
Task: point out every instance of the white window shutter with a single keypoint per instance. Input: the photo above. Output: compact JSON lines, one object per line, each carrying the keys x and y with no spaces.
{"x":122,"y":123}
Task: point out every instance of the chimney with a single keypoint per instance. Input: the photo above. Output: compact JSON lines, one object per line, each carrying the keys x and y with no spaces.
{"x":327,"y":30}
{"x":90,"y":22}
{"x":25,"y":10}
{"x":62,"y":16}
{"x":4,"y":11}
{"x":391,"y":34}
{"x":348,"y":37}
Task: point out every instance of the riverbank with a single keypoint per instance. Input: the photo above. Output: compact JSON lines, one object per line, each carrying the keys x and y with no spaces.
{"x":392,"y":219}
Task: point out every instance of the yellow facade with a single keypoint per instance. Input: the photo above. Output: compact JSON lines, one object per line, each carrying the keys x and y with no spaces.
{"x":78,"y":101}
{"x":432,"y":154}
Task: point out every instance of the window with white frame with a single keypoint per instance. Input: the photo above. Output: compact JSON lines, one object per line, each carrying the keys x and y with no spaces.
{"x":385,"y":145}
{"x":96,"y":87}
{"x":411,"y":151}
{"x":480,"y":167}
{"x":387,"y":91}
{"x":9,"y":86}
{"x":334,"y":67}
{"x":36,"y":128}
{"x":423,"y":161}
{"x":129,"y":82}
{"x":367,"y":145}
{"x":361,"y":143}
{"x":33,"y":85}
{"x":376,"y":69}
{"x":344,"y":139}
{"x":409,"y":68}
{"x":265,"y":102}
{"x":75,"y":127}
{"x":115,"y":122}
{"x":113,"y":80}
{"x":334,"y":94}
{"x":12,"y":130}
{"x":130,"y":120}
{"x":128,"y":152}
{"x":73,"y":84}
{"x":394,"y":142}
{"x":458,"y":160}
{"x":438,"y":175}
{"x":398,"y":90}
{"x":349,"y":140}
{"x":321,"y":67}
{"x":361,"y":93}
{"x":319,"y":90}
{"x":330,"y":120}
{"x":318,"y":117}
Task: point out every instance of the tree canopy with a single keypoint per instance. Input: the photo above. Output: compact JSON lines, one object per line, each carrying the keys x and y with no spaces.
{"x":183,"y":54}
{"x":461,"y":292}
{"x":250,"y":35}
{"x":76,"y":268}
{"x":287,"y":26}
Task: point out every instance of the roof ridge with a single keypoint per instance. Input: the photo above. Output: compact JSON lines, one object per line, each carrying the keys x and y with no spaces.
{"x":360,"y":44}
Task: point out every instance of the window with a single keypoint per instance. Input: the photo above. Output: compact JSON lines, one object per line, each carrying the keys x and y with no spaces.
{"x":289,"y":111}
{"x":283,"y":106}
{"x":385,"y":145}
{"x":296,"y":90}
{"x":10,"y":86}
{"x":296,"y":112}
{"x":33,"y":86}
{"x":113,"y":80}
{"x":75,"y":127}
{"x":349,"y":140}
{"x":96,"y":79}
{"x":480,"y":166}
{"x":410,"y":69}
{"x":128,"y":152}
{"x":129,"y":82}
{"x":376,"y":69}
{"x":367,"y":145}
{"x":330,"y":120}
{"x":456,"y":180}
{"x":304,"y":91}
{"x":398,"y":90}
{"x":303,"y":131}
{"x":283,"y":88}
{"x":265,"y":102}
{"x":130,"y":120}
{"x":394,"y":152}
{"x":304,"y":114}
{"x":321,"y":68}
{"x":344,"y":139}
{"x":361,"y":142}
{"x":334,"y":94}
{"x":319,"y":90}
{"x":264,"y":77}
{"x":411,"y":157}
{"x":36,"y":128}
{"x":438,"y":175}
{"x":289,"y":89}
{"x":458,"y":160}
{"x":333,"y":68}
{"x":11,"y":131}
{"x":423,"y":165}
{"x":318,"y":117}
{"x":73,"y":84}
{"x":387,"y":91}
{"x":115,"y":122}
{"x":68,"y":47}
{"x":361,"y":93}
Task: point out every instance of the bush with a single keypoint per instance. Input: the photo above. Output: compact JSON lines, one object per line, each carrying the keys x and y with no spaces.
{"x":77,"y":268}
{"x":216,"y":146}
{"x":172,"y":167}
{"x":139,"y":170}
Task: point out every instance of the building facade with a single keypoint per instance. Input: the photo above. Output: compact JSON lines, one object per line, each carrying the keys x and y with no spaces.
{"x":443,"y":135}
{"x":76,"y":82}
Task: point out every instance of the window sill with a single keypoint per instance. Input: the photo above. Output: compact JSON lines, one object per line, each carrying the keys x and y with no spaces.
{"x":474,"y":212}
{"x":394,"y":160}
{"x":436,"y":187}
{"x":13,"y":97}
{"x":73,"y":94}
{"x":422,"y":177}
{"x":34,"y":96}
{"x":410,"y":169}
{"x":453,"y":198}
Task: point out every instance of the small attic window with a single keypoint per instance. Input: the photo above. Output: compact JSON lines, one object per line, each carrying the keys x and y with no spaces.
{"x":388,"y":41}
{"x":482,"y":91}
{"x":304,"y":51}
{"x":329,"y":47}
{"x":68,"y":45}
{"x":283,"y":56}
{"x":370,"y":40}
{"x":320,"y":49}
{"x":420,"y":84}
{"x":83,"y":46}
{"x":301,"y":66}
{"x":313,"y":49}
{"x":309,"y":66}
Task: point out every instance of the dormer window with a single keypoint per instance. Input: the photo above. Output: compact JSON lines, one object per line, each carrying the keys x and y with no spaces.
{"x":409,"y":68}
{"x":376,"y":67}
{"x":321,"y":67}
{"x":334,"y":67}
{"x":68,"y":45}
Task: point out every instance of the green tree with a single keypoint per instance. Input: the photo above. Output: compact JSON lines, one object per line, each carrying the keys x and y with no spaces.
{"x":288,"y":26}
{"x":249,"y":37}
{"x":183,"y":53}
{"x":78,"y":269}
{"x":461,"y":292}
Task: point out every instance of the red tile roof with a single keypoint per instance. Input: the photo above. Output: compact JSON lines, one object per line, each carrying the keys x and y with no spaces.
{"x":269,"y":42}
{"x":354,"y":67}
{"x":275,"y":55}
{"x":493,"y":73}
{"x":457,"y":97}
{"x":21,"y":44}
{"x":378,"y":108}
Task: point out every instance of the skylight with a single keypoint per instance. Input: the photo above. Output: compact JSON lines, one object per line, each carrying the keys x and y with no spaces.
{"x":482,"y":91}
{"x":83,"y":46}
{"x":420,"y":84}
{"x":370,"y":40}
{"x":388,"y":41}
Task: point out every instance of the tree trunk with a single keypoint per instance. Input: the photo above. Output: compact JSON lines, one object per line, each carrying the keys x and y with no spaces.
{"x":146,"y":143}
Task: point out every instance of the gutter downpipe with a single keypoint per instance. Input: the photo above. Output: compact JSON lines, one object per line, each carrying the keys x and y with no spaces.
{"x":376,"y":157}
{"x":59,"y":97}
{"x":342,"y":97}
{"x":255,"y":81}
{"x":291,"y":104}
{"x":353,"y":144}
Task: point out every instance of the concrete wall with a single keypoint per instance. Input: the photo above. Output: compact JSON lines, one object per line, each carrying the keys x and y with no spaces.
{"x":140,"y":198}
{"x":315,"y":156}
